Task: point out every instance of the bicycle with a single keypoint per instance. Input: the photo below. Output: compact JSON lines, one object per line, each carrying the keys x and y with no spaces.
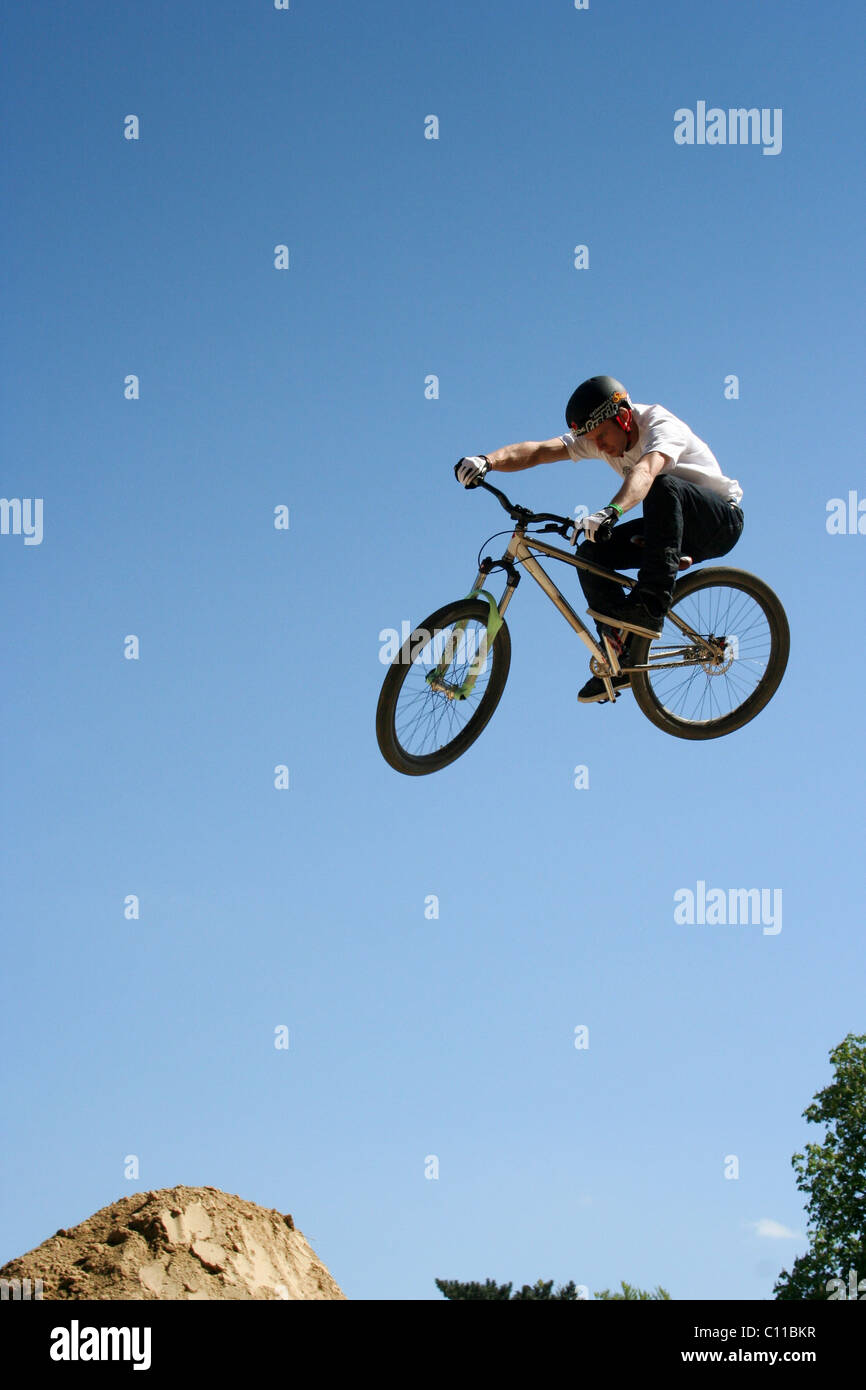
{"x":720,"y":658}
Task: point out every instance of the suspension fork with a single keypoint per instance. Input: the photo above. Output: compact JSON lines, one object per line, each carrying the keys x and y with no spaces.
{"x":488,"y":636}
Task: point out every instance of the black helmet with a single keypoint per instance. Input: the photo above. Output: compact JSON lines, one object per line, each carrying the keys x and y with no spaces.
{"x":595,"y":400}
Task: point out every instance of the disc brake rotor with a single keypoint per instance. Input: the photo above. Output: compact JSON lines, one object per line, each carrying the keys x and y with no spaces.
{"x":719,"y":657}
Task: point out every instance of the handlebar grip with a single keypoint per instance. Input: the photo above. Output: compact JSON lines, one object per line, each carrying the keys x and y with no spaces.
{"x":478,"y":481}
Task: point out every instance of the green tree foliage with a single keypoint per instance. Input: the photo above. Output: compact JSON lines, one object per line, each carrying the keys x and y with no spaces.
{"x":833,"y":1173}
{"x":452,"y":1288}
{"x":630,"y":1292}
{"x":539,"y":1289}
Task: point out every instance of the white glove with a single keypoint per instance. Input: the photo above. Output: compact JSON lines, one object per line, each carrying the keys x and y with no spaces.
{"x":596,"y":527}
{"x":471,"y":470}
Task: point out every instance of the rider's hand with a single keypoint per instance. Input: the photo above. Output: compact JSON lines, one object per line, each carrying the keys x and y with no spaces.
{"x":597,"y":527}
{"x":471,"y":470}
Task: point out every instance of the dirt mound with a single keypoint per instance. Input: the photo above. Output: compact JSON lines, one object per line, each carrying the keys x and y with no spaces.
{"x":178,"y":1243}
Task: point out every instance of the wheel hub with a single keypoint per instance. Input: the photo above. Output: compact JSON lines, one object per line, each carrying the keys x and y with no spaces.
{"x":451,"y":692}
{"x":719,"y":656}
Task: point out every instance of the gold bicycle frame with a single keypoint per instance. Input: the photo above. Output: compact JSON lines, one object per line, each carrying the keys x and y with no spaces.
{"x":520,"y":550}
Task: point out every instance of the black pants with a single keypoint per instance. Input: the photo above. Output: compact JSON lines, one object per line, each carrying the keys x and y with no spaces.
{"x":679,"y":518}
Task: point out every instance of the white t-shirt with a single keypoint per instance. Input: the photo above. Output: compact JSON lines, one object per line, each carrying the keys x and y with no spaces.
{"x":687,"y":456}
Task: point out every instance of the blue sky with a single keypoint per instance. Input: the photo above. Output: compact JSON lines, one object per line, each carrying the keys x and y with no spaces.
{"x":304,"y":908}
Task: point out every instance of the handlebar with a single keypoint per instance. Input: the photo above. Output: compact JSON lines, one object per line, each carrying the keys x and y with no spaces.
{"x":523,"y":514}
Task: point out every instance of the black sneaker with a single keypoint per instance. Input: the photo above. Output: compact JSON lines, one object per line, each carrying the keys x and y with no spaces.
{"x":594,"y":693}
{"x":630,"y":613}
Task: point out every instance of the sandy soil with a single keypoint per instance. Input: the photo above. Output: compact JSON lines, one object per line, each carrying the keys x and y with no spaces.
{"x":178,"y":1243}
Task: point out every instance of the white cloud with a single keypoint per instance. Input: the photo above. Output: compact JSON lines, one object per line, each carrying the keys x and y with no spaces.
{"x":773,"y":1230}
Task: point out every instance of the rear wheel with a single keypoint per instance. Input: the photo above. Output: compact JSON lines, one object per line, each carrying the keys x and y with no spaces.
{"x":721,"y":672}
{"x":423,"y":721}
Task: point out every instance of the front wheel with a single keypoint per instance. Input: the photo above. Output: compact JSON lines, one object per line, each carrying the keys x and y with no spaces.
{"x":718,"y":670}
{"x":426,"y":716}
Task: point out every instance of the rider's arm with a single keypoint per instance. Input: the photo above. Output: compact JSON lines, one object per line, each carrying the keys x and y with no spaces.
{"x":639,"y":480}
{"x":515,"y":457}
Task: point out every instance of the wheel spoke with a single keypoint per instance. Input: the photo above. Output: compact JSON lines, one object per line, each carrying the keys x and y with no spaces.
{"x":427,"y":720}
{"x":700,"y":693}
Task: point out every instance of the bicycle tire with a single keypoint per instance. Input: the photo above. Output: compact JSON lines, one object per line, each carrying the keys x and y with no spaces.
{"x":651,"y":700}
{"x":393,"y":750}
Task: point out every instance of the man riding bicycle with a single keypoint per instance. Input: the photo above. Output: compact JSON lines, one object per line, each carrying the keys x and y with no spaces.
{"x":689,"y":507}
